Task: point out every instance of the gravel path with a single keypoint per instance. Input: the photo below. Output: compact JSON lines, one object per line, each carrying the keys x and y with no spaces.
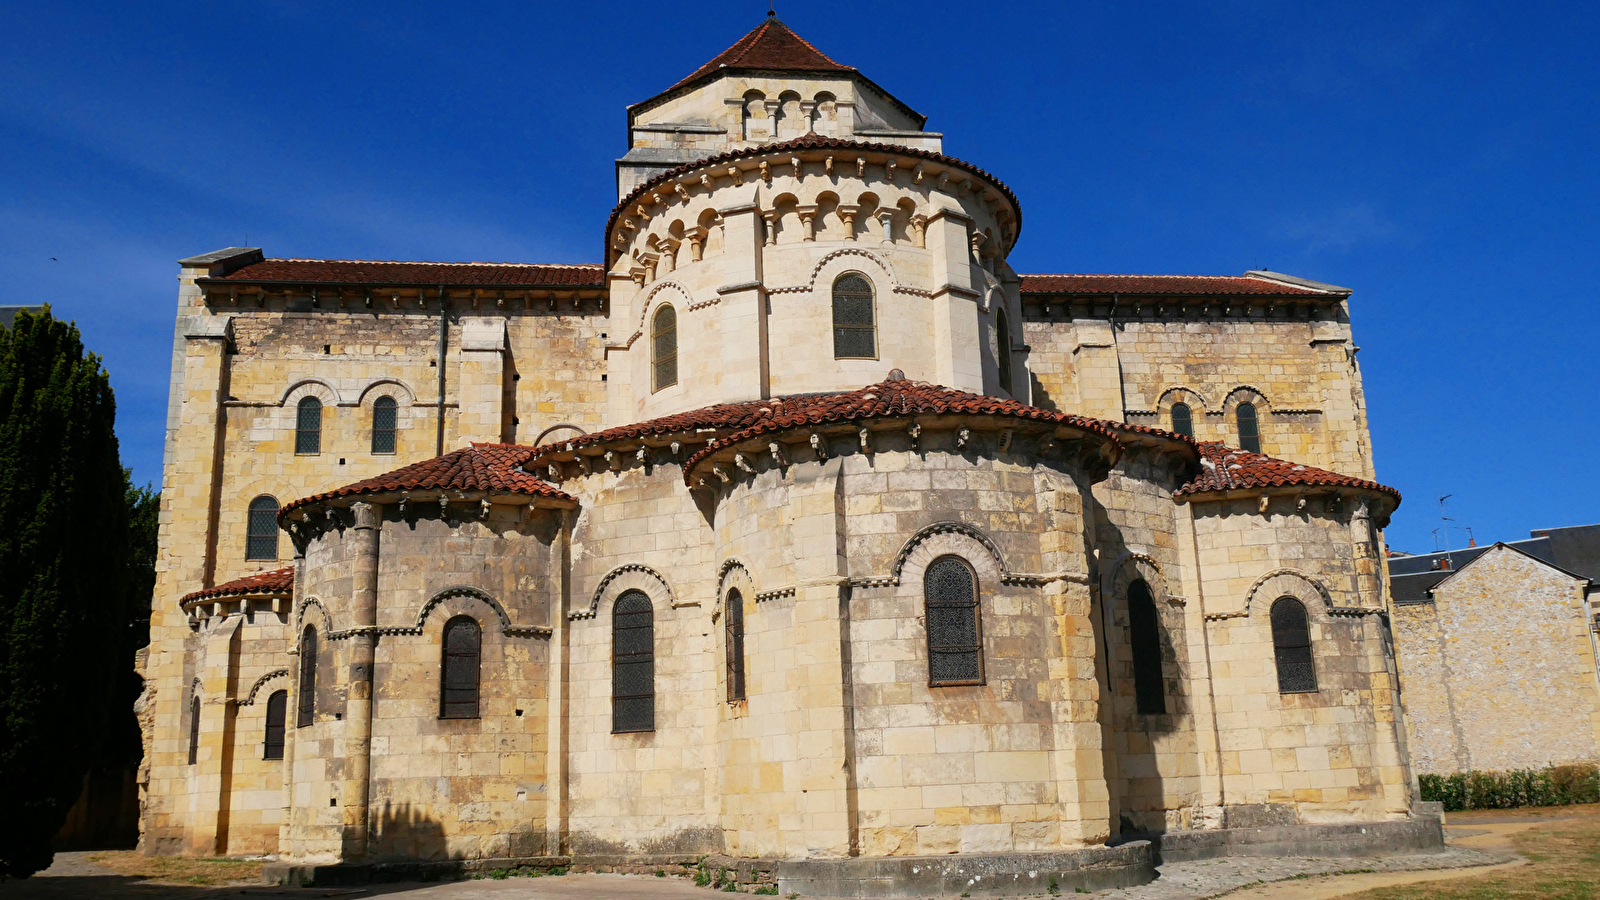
{"x":1214,"y":877}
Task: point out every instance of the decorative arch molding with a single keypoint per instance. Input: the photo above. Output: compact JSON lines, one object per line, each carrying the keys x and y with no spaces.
{"x":969,"y":535}
{"x":848,"y":254}
{"x":939,"y":528}
{"x":730,"y":575}
{"x":1245,"y":393}
{"x":300,"y":617}
{"x":633,"y":576}
{"x":197,"y":687}
{"x":310,"y":387}
{"x":1292,"y":583}
{"x":256,"y":688}
{"x":1180,"y":394}
{"x":1131,"y":567}
{"x":466,"y":590}
{"x":410,"y":395}
{"x":650,"y":302}
{"x":557,"y":427}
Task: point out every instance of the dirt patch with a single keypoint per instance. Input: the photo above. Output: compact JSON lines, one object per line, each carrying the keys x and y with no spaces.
{"x":178,"y":869}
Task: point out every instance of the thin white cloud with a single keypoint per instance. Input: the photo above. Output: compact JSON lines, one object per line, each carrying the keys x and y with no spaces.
{"x":1339,"y":229}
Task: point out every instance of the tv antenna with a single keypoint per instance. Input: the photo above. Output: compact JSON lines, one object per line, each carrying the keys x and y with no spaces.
{"x":1444,"y":529}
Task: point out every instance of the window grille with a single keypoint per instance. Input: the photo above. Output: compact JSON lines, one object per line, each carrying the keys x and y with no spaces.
{"x":733,"y":616}
{"x":194,"y":729}
{"x":955,"y":624}
{"x":1144,"y":634}
{"x":1002,"y":328}
{"x":308,"y":678}
{"x":1249,"y":431}
{"x":384,"y":423}
{"x":633,"y":664}
{"x":664,"y":342}
{"x":261,"y":529}
{"x":1182,"y":419}
{"x":1291,"y":643}
{"x":854,"y":326}
{"x":458,"y":680}
{"x":308,"y":427}
{"x":277,"y":712}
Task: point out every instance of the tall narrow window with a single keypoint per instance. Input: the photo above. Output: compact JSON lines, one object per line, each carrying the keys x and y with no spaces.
{"x":733,"y":616}
{"x":1144,"y":633}
{"x":308,"y":426}
{"x":1182,"y":419}
{"x":307,"y":710}
{"x":1249,"y":432}
{"x":633,"y":664}
{"x":194,"y":729}
{"x":277,"y":713}
{"x":854,"y":328}
{"x":458,"y":682}
{"x":664,"y":346}
{"x":261,"y":530}
{"x":1002,"y":353}
{"x":383,"y":424}
{"x":1291,"y":643}
{"x":955,"y":625}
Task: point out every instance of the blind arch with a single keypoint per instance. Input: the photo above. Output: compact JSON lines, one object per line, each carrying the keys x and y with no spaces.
{"x":1249,"y":427}
{"x":385,"y":422}
{"x":1144,"y":636}
{"x":664,"y":347}
{"x":461,"y":653}
{"x":306,"y":704}
{"x":633,"y":664}
{"x":261,"y":529}
{"x":1182,"y":419}
{"x":954,"y":622}
{"x":277,"y":714}
{"x":308,"y":427}
{"x":1291,"y":646}
{"x":855,"y":330}
{"x":733,"y":624}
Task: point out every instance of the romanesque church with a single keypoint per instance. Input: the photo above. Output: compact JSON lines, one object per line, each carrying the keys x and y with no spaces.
{"x":799,"y":529}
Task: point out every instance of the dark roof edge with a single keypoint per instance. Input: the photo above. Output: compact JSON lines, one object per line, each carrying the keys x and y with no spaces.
{"x":1298,"y":281}
{"x":1518,"y":550}
{"x":228,"y":258}
{"x":712,"y":75}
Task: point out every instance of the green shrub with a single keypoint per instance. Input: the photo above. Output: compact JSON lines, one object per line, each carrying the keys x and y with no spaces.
{"x":1550,"y":786}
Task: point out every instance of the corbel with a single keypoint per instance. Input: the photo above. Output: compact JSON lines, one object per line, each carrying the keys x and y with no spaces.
{"x":776,"y":450}
{"x":676,"y":449}
{"x":1261,"y":504}
{"x":915,"y":431}
{"x":916,"y":174}
{"x":944,"y":180}
{"x":1005,"y":438}
{"x":611,"y":461}
{"x":554,"y":470}
{"x":642,"y":455}
{"x":827,"y":166}
{"x":483,"y":508}
{"x":736,"y":175}
{"x":681,"y":191}
{"x":707,"y":181}
{"x":888,"y":169}
{"x":1300,"y":503}
{"x":233,"y":296}
{"x":819,"y":446}
{"x":794,"y":162}
{"x":499,"y":299}
{"x":864,"y":436}
{"x":963,"y":436}
{"x":315,"y":303}
{"x":723,"y":474}
{"x":861,"y":167}
{"x":766,"y":171}
{"x":400,"y":508}
{"x":261,"y":299}
{"x":444,"y":506}
{"x":743,"y":462}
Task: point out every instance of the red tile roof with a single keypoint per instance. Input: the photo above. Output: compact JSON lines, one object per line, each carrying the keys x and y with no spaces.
{"x":771,"y":46}
{"x":1164,"y":284}
{"x":811,"y":141}
{"x":278,"y":582}
{"x":480,"y":467}
{"x":1224,"y":468}
{"x":389,"y":273}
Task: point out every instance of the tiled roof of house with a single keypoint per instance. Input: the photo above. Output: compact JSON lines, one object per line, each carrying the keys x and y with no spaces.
{"x":278,"y":582}
{"x":810,"y":141}
{"x":390,"y":273}
{"x":770,"y":46}
{"x":480,"y":467}
{"x":1165,"y":284}
{"x":1224,"y":468}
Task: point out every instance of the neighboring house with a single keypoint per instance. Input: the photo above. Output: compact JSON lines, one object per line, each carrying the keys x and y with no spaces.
{"x":8,"y":314}
{"x":1497,"y":652}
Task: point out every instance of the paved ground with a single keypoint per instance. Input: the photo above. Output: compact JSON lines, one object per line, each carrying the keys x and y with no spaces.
{"x":72,"y":877}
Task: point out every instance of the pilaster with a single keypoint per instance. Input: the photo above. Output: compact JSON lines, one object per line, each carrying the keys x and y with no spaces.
{"x":1098,"y":369}
{"x":743,"y":302}
{"x":482,"y":414}
{"x":359,"y":699}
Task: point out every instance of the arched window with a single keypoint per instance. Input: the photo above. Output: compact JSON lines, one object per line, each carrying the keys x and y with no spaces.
{"x":1144,"y":633}
{"x":854,"y":328}
{"x":307,"y":710}
{"x":308,"y":426}
{"x":277,"y":714}
{"x":261,"y":531}
{"x":955,"y":625}
{"x":1002,"y":357}
{"x":633,"y":664}
{"x":384,"y":423}
{"x":1249,"y":432}
{"x":194,"y":729}
{"x":1182,"y":419}
{"x":664,"y":344}
{"x":1291,"y":643}
{"x":733,"y":625}
{"x":458,"y":678}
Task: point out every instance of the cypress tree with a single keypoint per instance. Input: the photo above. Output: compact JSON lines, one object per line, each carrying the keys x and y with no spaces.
{"x":63,"y":579}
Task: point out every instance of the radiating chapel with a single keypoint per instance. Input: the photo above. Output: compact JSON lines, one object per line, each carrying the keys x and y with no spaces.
{"x":799,"y":531}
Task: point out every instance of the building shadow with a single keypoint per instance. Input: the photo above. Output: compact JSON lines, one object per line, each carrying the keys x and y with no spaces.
{"x":405,"y":833}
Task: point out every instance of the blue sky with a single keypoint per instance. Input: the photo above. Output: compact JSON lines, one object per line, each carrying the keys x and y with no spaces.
{"x":1440,"y":159}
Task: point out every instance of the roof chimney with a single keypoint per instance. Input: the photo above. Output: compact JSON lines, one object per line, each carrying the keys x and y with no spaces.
{"x":1444,"y":563}
{"x":1472,"y":542}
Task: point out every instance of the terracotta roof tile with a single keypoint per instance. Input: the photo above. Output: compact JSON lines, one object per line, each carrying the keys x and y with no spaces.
{"x":480,"y":467}
{"x":1164,"y":284}
{"x":356,"y":271}
{"x":1224,"y":468}
{"x":771,"y":46}
{"x":810,"y":141}
{"x":278,"y":582}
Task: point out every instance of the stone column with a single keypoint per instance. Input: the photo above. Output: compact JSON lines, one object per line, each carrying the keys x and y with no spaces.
{"x":744,"y":300}
{"x":1336,"y":385}
{"x":1202,"y":693}
{"x":1389,"y":749}
{"x":359,"y":697}
{"x":957,"y":336}
{"x":481,"y":415}
{"x":219,"y":686}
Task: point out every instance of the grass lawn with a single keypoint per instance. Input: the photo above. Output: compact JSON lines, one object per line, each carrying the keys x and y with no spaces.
{"x":178,"y":869}
{"x":1564,"y":861}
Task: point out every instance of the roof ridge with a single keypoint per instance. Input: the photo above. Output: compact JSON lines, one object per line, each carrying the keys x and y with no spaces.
{"x":432,"y":262}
